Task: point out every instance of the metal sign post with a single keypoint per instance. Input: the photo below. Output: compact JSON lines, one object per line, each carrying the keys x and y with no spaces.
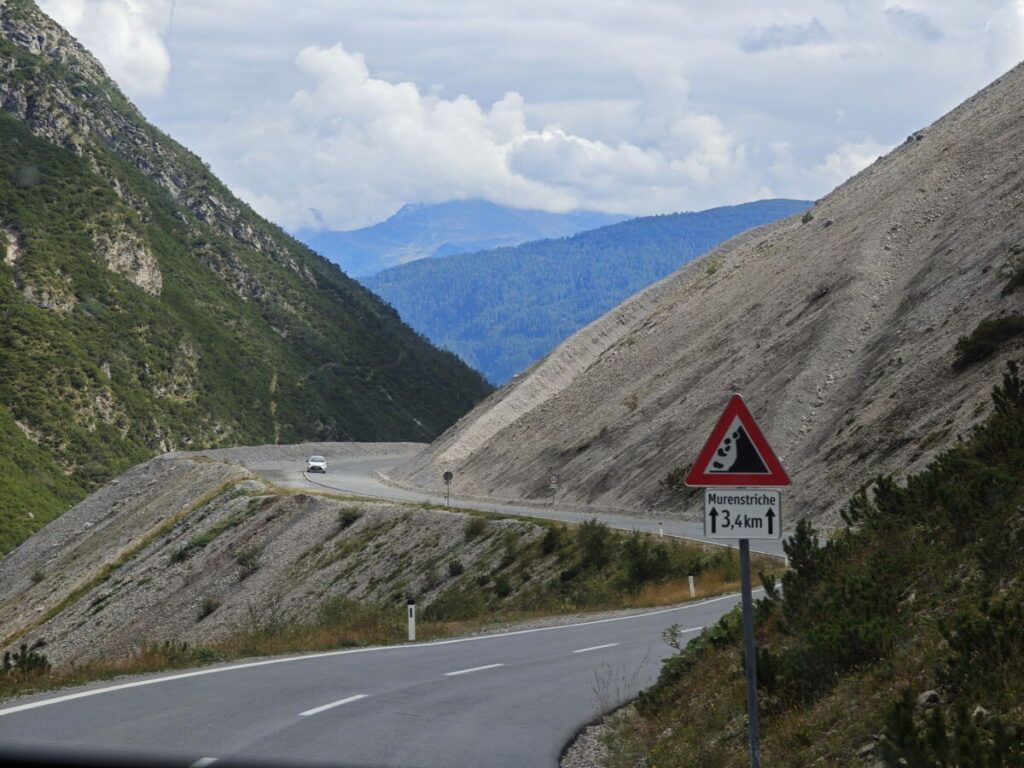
{"x":735,"y":457}
{"x":553,"y":484}
{"x":749,"y":657}
{"x":447,"y":487}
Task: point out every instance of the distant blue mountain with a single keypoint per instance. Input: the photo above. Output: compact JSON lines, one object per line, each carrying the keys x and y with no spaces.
{"x":501,"y":310}
{"x":444,"y":229}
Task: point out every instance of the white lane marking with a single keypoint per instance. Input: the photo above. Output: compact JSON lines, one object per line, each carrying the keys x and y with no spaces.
{"x":332,"y":705}
{"x":203,"y":762}
{"x":472,"y":669}
{"x":330,"y":654}
{"x":596,"y":647}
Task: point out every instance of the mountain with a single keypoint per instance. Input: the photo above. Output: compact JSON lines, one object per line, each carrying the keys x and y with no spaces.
{"x":502,"y":310}
{"x":864,"y":336}
{"x":417,"y":231}
{"x":145,"y":308}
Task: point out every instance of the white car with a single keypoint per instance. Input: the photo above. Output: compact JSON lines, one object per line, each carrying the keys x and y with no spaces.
{"x":316,"y":464}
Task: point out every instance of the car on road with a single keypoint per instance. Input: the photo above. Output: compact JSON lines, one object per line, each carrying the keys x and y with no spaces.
{"x":316,"y":464}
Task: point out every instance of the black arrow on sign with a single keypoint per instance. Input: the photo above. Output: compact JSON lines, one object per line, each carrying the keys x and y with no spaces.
{"x":771,"y":516}
{"x":714,"y":519}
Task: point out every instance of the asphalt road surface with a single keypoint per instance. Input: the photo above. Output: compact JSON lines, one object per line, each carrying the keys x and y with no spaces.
{"x":505,"y":700}
{"x":356,"y":476}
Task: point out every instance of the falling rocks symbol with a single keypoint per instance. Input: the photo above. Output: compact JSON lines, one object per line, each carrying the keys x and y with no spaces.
{"x":738,"y":454}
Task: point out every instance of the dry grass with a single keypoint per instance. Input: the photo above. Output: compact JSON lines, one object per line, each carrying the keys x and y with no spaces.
{"x":678,"y":591}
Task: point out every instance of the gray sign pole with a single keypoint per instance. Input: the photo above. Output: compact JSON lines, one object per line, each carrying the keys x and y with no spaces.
{"x":749,"y":657}
{"x":447,"y":487}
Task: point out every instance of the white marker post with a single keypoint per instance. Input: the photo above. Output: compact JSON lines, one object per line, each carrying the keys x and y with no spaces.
{"x":411,"y":606}
{"x":693,"y":589}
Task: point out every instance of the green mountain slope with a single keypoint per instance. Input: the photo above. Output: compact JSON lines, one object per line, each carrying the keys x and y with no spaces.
{"x":502,"y":310}
{"x":145,"y":308}
{"x":899,"y":642}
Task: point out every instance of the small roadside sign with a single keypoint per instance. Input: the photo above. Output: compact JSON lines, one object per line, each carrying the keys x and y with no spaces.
{"x":447,"y":476}
{"x":737,"y":454}
{"x":742,"y":514}
{"x":553,"y":481}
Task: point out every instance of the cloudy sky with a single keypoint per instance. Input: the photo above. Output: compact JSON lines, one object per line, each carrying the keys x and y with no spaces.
{"x":334,"y":113}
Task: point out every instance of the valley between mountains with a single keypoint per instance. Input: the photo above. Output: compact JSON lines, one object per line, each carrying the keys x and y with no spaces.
{"x":152,"y":323}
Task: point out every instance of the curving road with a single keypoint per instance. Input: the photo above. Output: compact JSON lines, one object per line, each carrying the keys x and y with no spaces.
{"x":501,"y":701}
{"x":358,"y":476}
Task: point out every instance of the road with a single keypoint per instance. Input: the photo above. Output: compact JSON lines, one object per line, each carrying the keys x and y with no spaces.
{"x":357,"y":476}
{"x":501,"y":701}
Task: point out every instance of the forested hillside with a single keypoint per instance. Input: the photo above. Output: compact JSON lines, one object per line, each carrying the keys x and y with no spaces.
{"x":145,"y":308}
{"x":502,"y":310}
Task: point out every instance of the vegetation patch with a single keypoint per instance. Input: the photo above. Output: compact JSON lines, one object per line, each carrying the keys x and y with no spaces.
{"x":898,"y":642}
{"x":205,"y":539}
{"x":986,"y":339}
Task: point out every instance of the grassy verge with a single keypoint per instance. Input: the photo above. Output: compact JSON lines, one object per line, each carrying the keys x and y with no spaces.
{"x":569,"y":569}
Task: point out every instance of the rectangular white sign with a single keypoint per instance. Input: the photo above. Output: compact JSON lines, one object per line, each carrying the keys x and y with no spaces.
{"x":742,"y":513}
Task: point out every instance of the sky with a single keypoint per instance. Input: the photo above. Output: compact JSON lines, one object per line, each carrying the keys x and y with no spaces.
{"x":332,"y":114}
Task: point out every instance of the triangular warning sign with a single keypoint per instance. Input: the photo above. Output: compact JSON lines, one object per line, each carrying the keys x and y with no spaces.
{"x":737,"y":454}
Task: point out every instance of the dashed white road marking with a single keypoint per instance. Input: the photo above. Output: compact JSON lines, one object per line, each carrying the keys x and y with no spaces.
{"x":203,"y":762}
{"x":596,"y":647}
{"x":472,"y":669}
{"x":330,"y":654}
{"x":332,"y":705}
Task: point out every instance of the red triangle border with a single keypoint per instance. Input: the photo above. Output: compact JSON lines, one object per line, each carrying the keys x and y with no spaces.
{"x":699,"y":475}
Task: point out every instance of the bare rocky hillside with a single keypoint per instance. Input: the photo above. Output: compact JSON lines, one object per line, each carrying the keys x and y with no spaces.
{"x":839,"y":328}
{"x":193,"y":548}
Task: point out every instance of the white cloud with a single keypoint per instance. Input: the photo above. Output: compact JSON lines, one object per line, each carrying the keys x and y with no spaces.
{"x":126,"y":34}
{"x":850,"y":158}
{"x":785,"y":36}
{"x":363,"y":146}
{"x":640,"y":107}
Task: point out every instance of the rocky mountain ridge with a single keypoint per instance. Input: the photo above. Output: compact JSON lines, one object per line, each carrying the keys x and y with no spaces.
{"x":840,"y":327}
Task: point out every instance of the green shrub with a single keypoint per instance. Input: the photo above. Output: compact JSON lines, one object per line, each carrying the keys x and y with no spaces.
{"x":552,"y":540}
{"x":929,"y":738}
{"x":455,"y":568}
{"x":474,"y":527}
{"x":209,"y":605}
{"x":645,"y":562}
{"x":456,"y":604}
{"x":594,"y":540}
{"x":249,"y":560}
{"x":502,"y":587}
{"x":986,"y":339}
{"x":347,"y":516}
{"x":1013,"y":270}
{"x":26,"y":661}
